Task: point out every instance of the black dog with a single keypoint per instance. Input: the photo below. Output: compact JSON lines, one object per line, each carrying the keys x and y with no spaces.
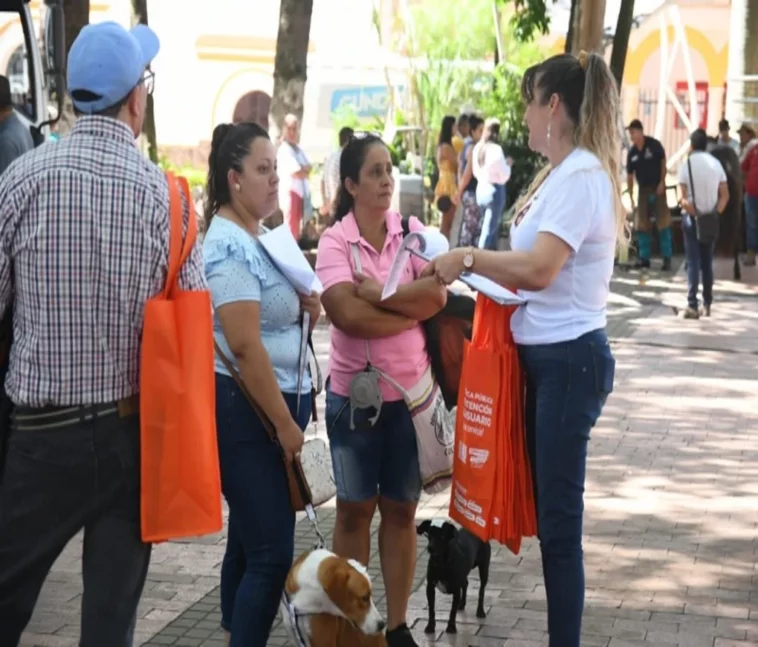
{"x":453,"y":554}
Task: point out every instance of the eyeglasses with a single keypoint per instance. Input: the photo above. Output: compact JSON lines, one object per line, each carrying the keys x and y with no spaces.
{"x":149,"y":81}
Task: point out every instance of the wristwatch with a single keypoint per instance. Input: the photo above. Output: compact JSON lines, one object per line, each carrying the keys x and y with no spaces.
{"x":468,"y":259}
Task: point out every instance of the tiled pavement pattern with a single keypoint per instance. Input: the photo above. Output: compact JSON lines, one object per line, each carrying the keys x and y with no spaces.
{"x":671,"y":510}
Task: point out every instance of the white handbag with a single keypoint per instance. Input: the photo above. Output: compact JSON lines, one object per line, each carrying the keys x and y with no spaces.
{"x":315,"y":457}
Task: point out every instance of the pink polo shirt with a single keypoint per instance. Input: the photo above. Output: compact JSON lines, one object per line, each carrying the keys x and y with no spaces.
{"x":403,"y":357}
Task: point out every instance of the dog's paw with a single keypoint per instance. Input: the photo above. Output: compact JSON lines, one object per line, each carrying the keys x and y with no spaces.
{"x":481,"y":613}
{"x":430,"y":628}
{"x":461,"y":606}
{"x":451,"y":629}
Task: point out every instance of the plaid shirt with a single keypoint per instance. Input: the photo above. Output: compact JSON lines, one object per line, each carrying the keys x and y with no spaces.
{"x":84,"y":232}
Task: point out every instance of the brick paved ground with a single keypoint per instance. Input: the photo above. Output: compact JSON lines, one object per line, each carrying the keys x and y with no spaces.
{"x":672,"y":504}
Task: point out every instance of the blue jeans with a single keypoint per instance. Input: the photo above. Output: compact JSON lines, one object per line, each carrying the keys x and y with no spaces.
{"x":567,"y":386}
{"x":751,"y":222}
{"x":370,"y":460}
{"x":491,"y":201}
{"x":261,"y":533}
{"x":699,"y":260}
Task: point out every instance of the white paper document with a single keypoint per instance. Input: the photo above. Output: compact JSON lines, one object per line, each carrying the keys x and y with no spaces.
{"x":289,"y":259}
{"x":429,"y":244}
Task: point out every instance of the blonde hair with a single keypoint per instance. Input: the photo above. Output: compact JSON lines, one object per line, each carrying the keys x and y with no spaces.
{"x":591,"y":97}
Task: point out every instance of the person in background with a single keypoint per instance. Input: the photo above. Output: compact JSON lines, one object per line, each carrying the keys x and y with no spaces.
{"x":471,"y":221}
{"x":564,"y":236}
{"x":711,"y":193}
{"x":725,"y":138}
{"x":330,"y":175}
{"x":15,"y":139}
{"x":257,"y":327}
{"x":646,"y":161}
{"x":749,"y":167}
{"x":446,"y":188}
{"x":84,"y":244}
{"x":462,"y":133}
{"x":748,"y":140}
{"x":491,"y":171}
{"x":376,"y":463}
{"x":294,"y":171}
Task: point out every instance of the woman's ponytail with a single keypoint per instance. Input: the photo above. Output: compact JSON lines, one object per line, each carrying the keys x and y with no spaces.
{"x":216,"y":189}
{"x":345,"y":204}
{"x":600,"y":128}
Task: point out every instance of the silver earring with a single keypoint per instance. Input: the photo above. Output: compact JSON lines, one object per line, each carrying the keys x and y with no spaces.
{"x":239,"y":188}
{"x":548,"y":134}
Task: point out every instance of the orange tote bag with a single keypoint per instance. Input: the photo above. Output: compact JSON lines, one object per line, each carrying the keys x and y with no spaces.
{"x":478,"y":421}
{"x":181,"y":483}
{"x":492,"y":492}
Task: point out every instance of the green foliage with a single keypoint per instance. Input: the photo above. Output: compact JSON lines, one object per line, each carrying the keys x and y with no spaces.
{"x":195,"y":177}
{"x":504,"y":102}
{"x":529,"y":18}
{"x":345,"y":116}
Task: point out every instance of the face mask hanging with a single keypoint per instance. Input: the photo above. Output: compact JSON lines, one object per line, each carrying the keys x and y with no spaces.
{"x":364,"y":387}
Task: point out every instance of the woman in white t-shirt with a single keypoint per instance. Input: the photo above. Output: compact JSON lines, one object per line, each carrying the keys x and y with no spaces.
{"x":491,"y":171}
{"x":563,"y":241}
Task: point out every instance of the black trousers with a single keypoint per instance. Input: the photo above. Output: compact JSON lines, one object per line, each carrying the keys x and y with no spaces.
{"x":56,"y":482}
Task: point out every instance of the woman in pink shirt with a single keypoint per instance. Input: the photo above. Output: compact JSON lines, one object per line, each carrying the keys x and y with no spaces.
{"x":374,"y":448}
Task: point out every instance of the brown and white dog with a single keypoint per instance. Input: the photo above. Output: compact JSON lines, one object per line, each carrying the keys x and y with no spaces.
{"x":328,"y":603}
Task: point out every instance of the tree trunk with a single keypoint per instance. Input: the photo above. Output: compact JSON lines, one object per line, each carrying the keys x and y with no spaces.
{"x":139,"y":16}
{"x":621,"y":39}
{"x":573,"y":26}
{"x":591,"y":19}
{"x":291,"y":64}
{"x":76,"y":14}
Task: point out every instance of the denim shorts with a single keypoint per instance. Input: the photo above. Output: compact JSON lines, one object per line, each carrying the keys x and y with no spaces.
{"x":370,"y":460}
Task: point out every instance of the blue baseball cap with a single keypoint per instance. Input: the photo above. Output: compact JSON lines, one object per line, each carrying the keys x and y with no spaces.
{"x":108,"y":61}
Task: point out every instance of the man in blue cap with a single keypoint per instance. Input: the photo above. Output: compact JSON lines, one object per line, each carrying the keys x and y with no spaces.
{"x":84,"y":237}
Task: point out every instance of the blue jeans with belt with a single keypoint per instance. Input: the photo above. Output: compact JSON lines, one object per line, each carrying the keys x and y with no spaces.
{"x":491,"y":201}
{"x":261,"y":533}
{"x":567,"y":386}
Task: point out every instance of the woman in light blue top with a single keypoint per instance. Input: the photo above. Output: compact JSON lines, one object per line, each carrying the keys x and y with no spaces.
{"x":257,"y":316}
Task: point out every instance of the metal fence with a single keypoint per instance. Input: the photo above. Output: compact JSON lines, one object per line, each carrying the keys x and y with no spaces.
{"x":675,"y":133}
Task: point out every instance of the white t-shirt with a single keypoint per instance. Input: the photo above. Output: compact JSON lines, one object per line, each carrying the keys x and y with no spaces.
{"x":290,"y":159}
{"x":576,"y":204}
{"x":495,"y":169}
{"x":707,"y":174}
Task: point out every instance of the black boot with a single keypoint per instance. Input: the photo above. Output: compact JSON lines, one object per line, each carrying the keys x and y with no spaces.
{"x":400,"y":636}
{"x":666,"y":267}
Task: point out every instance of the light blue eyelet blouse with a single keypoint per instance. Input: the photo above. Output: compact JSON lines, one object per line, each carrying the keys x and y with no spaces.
{"x":238,"y":268}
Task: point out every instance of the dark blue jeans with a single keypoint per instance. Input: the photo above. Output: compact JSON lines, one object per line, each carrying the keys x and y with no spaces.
{"x":261,"y":533}
{"x":699,"y":261}
{"x":58,"y":481}
{"x":567,"y":386}
{"x":491,"y":201}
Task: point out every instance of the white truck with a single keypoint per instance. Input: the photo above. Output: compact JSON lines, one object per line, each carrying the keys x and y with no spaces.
{"x":36,"y":75}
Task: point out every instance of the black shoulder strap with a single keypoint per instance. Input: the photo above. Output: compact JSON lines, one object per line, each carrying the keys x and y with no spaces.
{"x":406,"y":225}
{"x":692,"y":183}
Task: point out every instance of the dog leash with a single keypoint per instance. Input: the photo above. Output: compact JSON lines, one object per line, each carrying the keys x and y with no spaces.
{"x":310,"y":512}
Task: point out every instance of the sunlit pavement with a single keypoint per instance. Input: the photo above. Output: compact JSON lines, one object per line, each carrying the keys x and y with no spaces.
{"x":671,"y":504}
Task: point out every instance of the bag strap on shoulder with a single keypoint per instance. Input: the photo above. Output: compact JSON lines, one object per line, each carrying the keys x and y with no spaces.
{"x":178,"y":249}
{"x":692,"y":184}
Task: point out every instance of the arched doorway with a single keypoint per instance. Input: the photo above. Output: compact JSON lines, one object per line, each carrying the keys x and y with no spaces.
{"x":253,"y":106}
